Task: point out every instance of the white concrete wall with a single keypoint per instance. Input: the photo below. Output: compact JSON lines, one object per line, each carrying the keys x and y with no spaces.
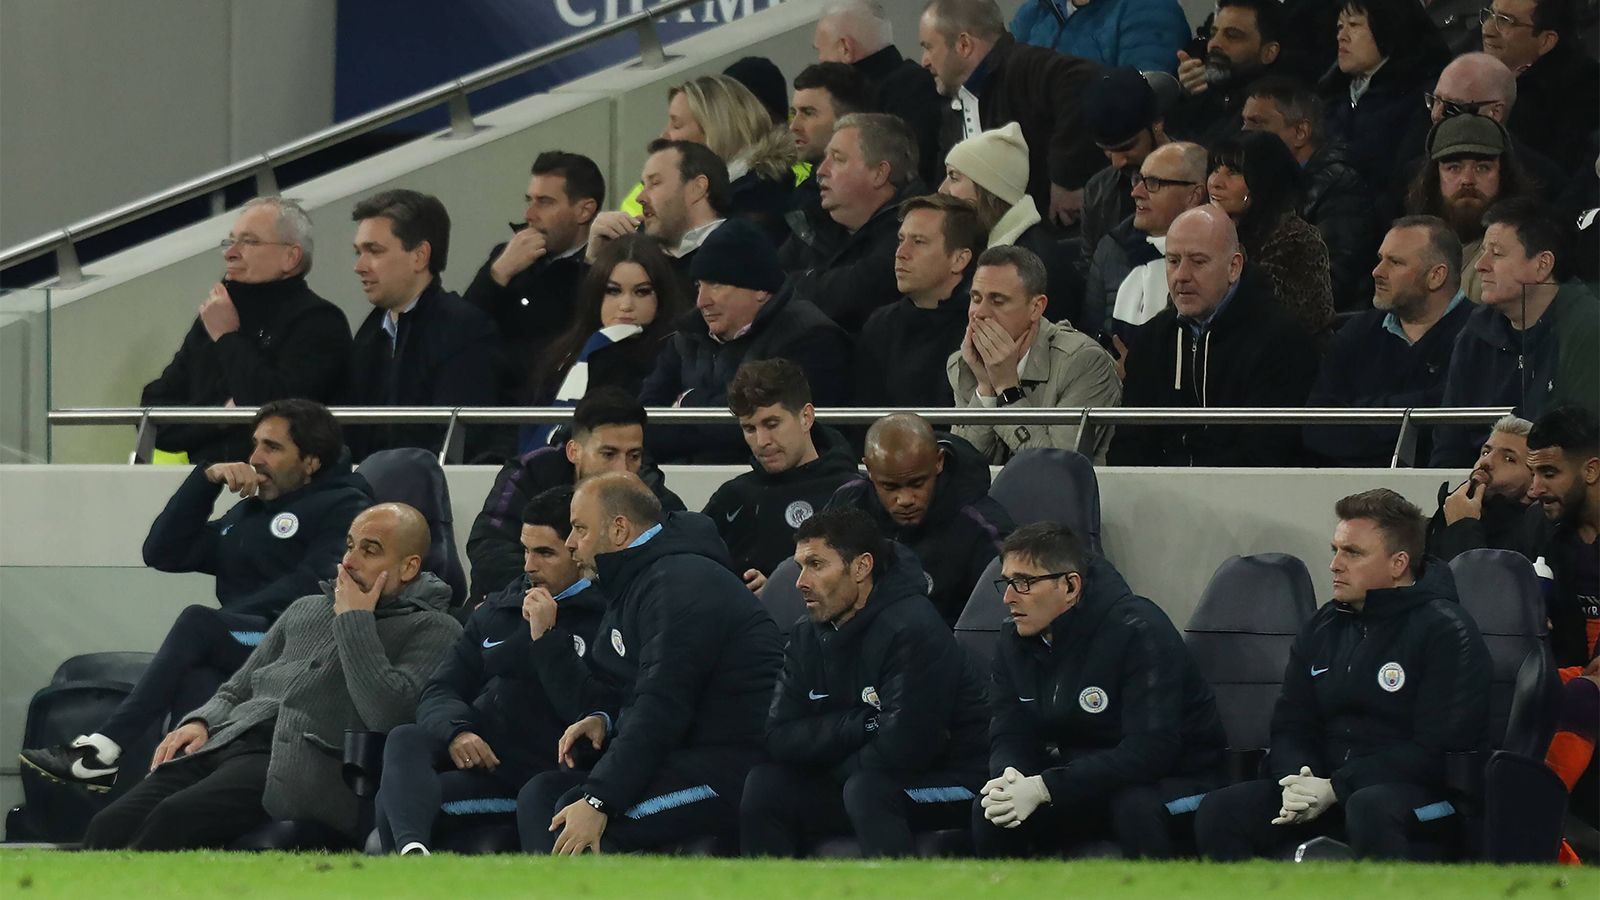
{"x":71,"y":578}
{"x":115,"y":332}
{"x":106,"y":101}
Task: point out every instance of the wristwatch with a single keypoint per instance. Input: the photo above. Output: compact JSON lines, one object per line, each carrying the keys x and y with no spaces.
{"x":598,"y":804}
{"x":1009,"y":396}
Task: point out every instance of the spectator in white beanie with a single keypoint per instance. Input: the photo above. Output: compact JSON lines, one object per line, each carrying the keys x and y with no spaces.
{"x":991,"y":170}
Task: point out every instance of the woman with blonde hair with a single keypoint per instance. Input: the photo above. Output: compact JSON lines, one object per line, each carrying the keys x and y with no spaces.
{"x":722,"y":114}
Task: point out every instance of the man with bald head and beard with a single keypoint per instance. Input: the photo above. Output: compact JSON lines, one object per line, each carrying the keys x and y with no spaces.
{"x":1224,"y":341}
{"x":265,"y":746}
{"x":1477,"y":84}
{"x":680,"y":672}
{"x":930,"y":491}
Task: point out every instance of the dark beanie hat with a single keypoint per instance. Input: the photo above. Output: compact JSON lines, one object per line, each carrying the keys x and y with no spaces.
{"x":737,"y":254}
{"x":1118,"y":106}
{"x":763,"y":78}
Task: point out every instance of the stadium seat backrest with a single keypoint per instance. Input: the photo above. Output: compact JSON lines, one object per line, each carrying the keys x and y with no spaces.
{"x":1047,"y":485}
{"x":82,"y":694}
{"x":978,"y":627}
{"x":1240,"y":635}
{"x":781,"y":598}
{"x":1500,"y":591}
{"x":119,"y":666}
{"x":1535,"y":705}
{"x":413,"y":476}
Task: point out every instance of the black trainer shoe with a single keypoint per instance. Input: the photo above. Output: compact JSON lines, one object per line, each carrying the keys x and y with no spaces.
{"x":71,"y":765}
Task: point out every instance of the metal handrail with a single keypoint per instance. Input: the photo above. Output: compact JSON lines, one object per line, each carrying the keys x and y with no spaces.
{"x":263,"y":166}
{"x":455,"y":418}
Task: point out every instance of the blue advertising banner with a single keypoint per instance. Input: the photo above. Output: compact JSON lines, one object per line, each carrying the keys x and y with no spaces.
{"x":390,"y":49}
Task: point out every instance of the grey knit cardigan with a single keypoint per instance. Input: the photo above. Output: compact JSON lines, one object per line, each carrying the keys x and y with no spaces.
{"x":317,"y":674}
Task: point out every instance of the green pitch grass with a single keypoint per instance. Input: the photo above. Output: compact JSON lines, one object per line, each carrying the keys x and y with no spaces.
{"x":28,"y":874}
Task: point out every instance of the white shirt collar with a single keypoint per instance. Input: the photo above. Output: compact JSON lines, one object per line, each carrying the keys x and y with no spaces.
{"x":694,"y":237}
{"x":391,"y":322}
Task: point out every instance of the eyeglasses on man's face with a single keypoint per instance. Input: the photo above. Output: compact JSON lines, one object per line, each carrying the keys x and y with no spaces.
{"x":248,"y":242}
{"x":1154,"y":184}
{"x":1023,"y":584}
{"x":1452,"y":108}
{"x":1499,"y":20}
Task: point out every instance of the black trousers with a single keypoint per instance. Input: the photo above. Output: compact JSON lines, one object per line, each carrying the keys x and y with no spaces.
{"x":786,"y":809}
{"x":204,"y":801}
{"x":419,"y":780}
{"x":681,"y":804}
{"x":1378,"y":822}
{"x":197,"y":655}
{"x":1137,"y":819}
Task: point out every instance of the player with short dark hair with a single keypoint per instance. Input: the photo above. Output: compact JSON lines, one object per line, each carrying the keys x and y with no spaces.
{"x":877,"y":723}
{"x":795,"y":466}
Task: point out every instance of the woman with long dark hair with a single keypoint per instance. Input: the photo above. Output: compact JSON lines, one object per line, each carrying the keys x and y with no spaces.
{"x":628,"y":303}
{"x":1256,"y":181}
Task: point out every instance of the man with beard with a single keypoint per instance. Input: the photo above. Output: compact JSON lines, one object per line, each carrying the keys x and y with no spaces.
{"x":1245,"y":42}
{"x":529,"y":284}
{"x":1564,"y":454}
{"x":1397,"y":353}
{"x":297,"y":500}
{"x":878,"y":723}
{"x":1487,"y":510}
{"x":262,"y":334}
{"x":1470,"y":168}
{"x":686,"y":196}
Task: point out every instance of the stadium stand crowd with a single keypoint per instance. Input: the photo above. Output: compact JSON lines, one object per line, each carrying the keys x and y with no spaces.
{"x":1307,"y":204}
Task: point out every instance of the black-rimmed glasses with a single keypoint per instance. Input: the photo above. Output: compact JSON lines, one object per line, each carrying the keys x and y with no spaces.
{"x":1023,"y":584}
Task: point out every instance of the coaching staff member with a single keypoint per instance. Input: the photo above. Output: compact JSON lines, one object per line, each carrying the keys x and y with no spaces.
{"x":1103,"y":728}
{"x":878,"y":722}
{"x":1381,"y":684}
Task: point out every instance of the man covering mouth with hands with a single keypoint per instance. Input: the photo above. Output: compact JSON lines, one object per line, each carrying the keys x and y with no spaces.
{"x":502,"y":698}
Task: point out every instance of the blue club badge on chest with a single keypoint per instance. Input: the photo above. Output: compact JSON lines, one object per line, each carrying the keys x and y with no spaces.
{"x":579,"y":645}
{"x":869,"y":696}
{"x":797,"y":513}
{"x":1093,"y":700}
{"x":1391,"y":677}
{"x":285,"y":525}
{"x":616,"y":643}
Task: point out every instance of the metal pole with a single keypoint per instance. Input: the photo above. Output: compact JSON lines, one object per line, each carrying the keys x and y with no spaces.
{"x":454,"y":441}
{"x":1405,"y":445}
{"x":266,"y":178}
{"x":461,"y":124}
{"x":144,"y":442}
{"x":68,"y":271}
{"x":651,"y":54}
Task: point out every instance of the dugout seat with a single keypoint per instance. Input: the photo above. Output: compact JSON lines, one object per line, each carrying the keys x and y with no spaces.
{"x":978,"y":627}
{"x":781,"y":598}
{"x":1240,"y":634}
{"x":82,"y":692}
{"x":1050,"y":485}
{"x":413,"y":476}
{"x":1514,"y":805}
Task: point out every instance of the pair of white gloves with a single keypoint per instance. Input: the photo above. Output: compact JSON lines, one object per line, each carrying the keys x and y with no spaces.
{"x":1010,"y":798}
{"x":1305,"y":796}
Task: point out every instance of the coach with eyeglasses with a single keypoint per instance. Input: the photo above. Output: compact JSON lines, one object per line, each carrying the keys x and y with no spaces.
{"x":1102,"y":728}
{"x":261,"y":334}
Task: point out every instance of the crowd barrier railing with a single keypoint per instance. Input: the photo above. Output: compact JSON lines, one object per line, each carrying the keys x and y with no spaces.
{"x":455,"y":419}
{"x":263,"y":167}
